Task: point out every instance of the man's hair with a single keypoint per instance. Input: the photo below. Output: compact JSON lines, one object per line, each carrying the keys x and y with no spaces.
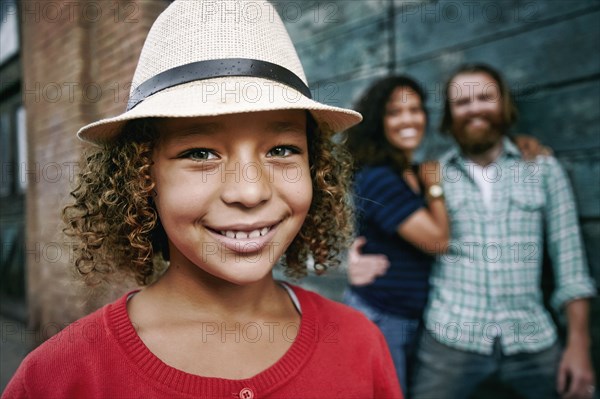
{"x":509,"y":110}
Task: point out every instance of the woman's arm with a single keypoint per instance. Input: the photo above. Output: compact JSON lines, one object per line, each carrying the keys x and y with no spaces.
{"x":428,"y":228}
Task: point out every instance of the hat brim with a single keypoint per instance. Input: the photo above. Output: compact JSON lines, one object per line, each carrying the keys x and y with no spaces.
{"x":220,"y":96}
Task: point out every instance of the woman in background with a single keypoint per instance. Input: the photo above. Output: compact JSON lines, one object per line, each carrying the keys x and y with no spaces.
{"x":401,"y":214}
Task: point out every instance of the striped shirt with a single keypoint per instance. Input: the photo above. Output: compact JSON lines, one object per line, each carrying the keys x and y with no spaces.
{"x":383,"y":202}
{"x":487,"y":286}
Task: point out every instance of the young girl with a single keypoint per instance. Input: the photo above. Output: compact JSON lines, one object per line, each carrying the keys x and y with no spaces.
{"x":222,"y":165}
{"x":401,"y":214}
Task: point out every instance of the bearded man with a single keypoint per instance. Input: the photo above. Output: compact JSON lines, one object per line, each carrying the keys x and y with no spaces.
{"x":485,"y":315}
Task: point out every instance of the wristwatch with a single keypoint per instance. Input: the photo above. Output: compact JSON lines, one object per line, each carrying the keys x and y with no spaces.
{"x":435,"y":191}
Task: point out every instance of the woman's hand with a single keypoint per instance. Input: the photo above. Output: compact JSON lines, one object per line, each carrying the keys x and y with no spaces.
{"x":531,"y":147}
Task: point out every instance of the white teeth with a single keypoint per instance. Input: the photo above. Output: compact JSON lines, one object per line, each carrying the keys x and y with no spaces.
{"x":242,"y":235}
{"x":478,"y":120}
{"x":408,"y":132}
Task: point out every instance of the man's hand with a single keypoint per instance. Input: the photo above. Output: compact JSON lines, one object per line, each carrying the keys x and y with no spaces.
{"x":530,"y":147}
{"x":575,"y":373}
{"x":364,"y":269}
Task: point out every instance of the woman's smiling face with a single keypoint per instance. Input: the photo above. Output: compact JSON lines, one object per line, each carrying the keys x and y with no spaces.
{"x":404,"y":120}
{"x":232,"y":191}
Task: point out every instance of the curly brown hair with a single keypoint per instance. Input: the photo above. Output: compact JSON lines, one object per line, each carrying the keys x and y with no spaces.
{"x":117,"y":228}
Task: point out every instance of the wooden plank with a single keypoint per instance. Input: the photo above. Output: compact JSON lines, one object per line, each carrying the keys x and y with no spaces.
{"x":311,"y":21}
{"x":353,"y":49}
{"x":566,"y":119}
{"x":345,"y":92}
{"x":422,"y":27}
{"x":564,"y":51}
{"x":584,"y":172}
{"x":360,"y":48}
{"x":591,"y":237}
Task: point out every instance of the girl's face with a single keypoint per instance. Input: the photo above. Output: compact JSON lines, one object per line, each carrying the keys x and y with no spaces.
{"x":232,"y":191}
{"x":404,"y":119}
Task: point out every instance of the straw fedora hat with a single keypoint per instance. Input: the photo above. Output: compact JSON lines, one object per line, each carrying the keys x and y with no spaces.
{"x":208,"y":58}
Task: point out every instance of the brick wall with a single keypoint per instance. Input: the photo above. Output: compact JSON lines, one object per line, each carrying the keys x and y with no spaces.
{"x":78,"y":59}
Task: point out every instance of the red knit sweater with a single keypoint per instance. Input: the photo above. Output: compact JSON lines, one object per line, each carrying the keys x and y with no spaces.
{"x":337,"y":353}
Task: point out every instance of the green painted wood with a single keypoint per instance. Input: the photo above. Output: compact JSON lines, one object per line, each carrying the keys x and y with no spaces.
{"x":591,"y":237}
{"x":311,"y":21}
{"x":345,"y":92}
{"x":360,"y":48}
{"x":565,"y":51}
{"x":424,"y":27}
{"x":583,"y":169}
{"x":566,"y":118}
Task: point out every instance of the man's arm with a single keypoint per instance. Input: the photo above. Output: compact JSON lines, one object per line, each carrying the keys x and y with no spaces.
{"x":364,"y":269}
{"x":564,"y":240}
{"x":573,"y":282}
{"x":575,"y":373}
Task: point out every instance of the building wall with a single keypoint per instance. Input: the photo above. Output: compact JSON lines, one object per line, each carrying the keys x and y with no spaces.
{"x":78,"y":61}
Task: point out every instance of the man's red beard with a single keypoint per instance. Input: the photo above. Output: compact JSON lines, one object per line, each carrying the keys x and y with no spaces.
{"x":477,"y":140}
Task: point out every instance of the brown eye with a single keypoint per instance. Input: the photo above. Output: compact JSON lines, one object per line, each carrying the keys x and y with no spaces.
{"x":199,"y":154}
{"x":282,"y":151}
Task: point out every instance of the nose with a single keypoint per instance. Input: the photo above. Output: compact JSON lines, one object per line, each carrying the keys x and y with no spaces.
{"x":246,"y":184}
{"x":405,"y":118}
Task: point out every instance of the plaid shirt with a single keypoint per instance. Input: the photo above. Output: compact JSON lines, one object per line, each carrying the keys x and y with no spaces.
{"x":488,"y":285}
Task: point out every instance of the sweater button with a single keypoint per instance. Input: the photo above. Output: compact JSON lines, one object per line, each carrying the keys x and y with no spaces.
{"x":246,"y":393}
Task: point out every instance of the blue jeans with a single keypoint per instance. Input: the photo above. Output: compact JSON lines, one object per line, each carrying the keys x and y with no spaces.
{"x":444,"y":372}
{"x":400,"y":333}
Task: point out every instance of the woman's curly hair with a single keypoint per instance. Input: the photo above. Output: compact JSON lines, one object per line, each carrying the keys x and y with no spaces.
{"x":117,"y":228}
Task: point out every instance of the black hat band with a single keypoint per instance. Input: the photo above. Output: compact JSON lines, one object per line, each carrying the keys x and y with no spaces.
{"x":211,"y":69}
